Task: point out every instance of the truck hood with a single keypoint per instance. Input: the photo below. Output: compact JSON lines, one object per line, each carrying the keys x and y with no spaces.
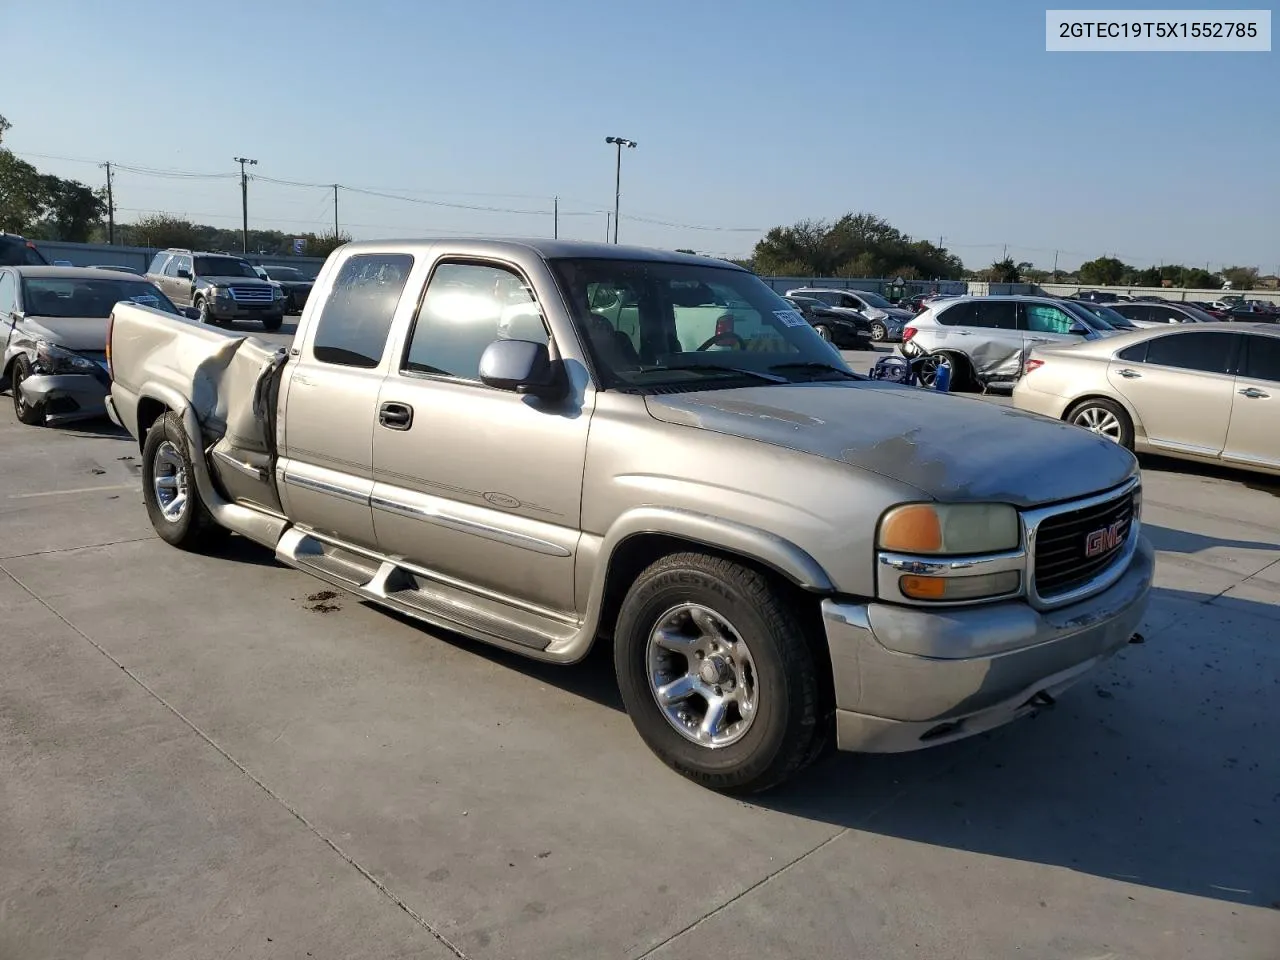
{"x":952,"y":448}
{"x":236,"y":281}
{"x":73,"y":333}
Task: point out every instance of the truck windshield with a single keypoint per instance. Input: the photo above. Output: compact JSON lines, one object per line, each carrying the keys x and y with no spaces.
{"x":653,"y":324}
{"x":872,"y":299}
{"x":59,"y":297}
{"x":224,"y":267}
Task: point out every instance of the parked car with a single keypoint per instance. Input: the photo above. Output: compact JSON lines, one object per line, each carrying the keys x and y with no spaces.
{"x":120,"y":267}
{"x":983,"y":340}
{"x":54,"y":325}
{"x":843,"y":327}
{"x":1096,"y":296}
{"x":767,"y":540}
{"x":220,"y":287}
{"x":1103,"y":315}
{"x":1251,"y":312}
{"x":1200,"y":392}
{"x":295,"y":284}
{"x":16,"y":251}
{"x":1147,"y":314}
{"x":887,"y":321}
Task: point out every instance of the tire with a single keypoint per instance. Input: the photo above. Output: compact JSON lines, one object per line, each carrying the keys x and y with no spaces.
{"x":165,"y":454}
{"x":1104,"y":417}
{"x":822,"y":330}
{"x":206,"y":316}
{"x":773,"y":672}
{"x":879,"y":332}
{"x":928,"y":374}
{"x":32,"y":414}
{"x":272,"y":324}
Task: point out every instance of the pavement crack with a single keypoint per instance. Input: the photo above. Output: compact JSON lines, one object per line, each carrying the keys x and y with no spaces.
{"x":85,"y":546}
{"x":293,"y":811}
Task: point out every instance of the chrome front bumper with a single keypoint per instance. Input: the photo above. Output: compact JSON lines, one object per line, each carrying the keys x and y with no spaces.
{"x":991,"y":663}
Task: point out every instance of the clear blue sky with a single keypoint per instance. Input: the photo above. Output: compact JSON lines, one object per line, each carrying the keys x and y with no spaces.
{"x":948,"y":118}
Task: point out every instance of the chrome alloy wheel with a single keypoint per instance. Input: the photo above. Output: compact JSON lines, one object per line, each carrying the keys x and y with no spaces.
{"x":702,"y":676}
{"x":169,"y":480}
{"x":1101,"y":421}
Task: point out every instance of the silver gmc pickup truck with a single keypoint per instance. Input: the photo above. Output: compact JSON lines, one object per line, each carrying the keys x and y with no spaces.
{"x":543,"y":444}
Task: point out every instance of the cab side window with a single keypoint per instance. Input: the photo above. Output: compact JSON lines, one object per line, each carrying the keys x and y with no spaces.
{"x":158,"y":263}
{"x":467,"y":307}
{"x":356,"y":317}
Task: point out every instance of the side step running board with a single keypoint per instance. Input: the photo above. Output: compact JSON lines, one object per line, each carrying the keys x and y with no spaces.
{"x":415,"y":594}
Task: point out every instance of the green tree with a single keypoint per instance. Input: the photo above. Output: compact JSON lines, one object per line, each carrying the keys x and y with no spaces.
{"x":855,"y":245}
{"x":163,"y":230}
{"x":43,"y":205}
{"x":323,"y":244}
{"x":1003,"y":271}
{"x":1194,"y":278}
{"x":1242,"y":278}
{"x":1105,"y":271}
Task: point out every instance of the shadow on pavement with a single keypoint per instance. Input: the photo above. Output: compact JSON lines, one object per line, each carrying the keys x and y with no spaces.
{"x":1262,"y":482}
{"x":1182,"y":541}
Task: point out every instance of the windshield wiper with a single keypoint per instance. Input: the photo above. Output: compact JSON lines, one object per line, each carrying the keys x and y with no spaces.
{"x":819,"y":366}
{"x":715,"y":368}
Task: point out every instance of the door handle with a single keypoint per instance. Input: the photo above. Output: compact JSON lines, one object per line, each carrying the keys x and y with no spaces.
{"x":1129,"y":374}
{"x":1253,"y":393}
{"x":395,"y":416}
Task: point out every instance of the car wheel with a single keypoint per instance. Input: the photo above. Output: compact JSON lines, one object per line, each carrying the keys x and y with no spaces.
{"x":32,"y":414}
{"x":206,"y":315}
{"x":272,"y":324}
{"x":823,"y":331}
{"x":717,"y":675}
{"x":879,"y":332}
{"x":1104,"y":417}
{"x":927,"y":372}
{"x":174,"y":506}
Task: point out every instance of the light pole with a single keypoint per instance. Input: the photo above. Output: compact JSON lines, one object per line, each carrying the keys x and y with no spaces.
{"x":619,"y":142}
{"x":244,"y":202}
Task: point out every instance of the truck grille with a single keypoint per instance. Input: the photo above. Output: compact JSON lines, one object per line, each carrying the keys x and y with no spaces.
{"x":251,"y":294}
{"x":1074,"y":547}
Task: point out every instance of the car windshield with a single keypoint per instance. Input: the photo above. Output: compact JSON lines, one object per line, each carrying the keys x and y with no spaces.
{"x":17,"y":253}
{"x":873,"y":299}
{"x":1085,"y":313}
{"x":87,"y":298}
{"x":650,"y":324}
{"x":224,"y":267}
{"x":1110,"y":317}
{"x":284,"y":273}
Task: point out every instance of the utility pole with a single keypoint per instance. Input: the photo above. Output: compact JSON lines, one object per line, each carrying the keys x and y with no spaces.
{"x":556,"y":213}
{"x":335,"y":213}
{"x":607,"y":215}
{"x":619,"y":142}
{"x":1055,"y":265}
{"x":244,"y":202}
{"x":1005,"y":255}
{"x":111,"y":208}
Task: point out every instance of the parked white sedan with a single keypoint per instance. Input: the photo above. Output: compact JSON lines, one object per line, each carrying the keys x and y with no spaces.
{"x":1208,"y":392}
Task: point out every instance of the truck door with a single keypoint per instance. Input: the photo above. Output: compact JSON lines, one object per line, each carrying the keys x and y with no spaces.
{"x":325,"y":471}
{"x":479,"y":485}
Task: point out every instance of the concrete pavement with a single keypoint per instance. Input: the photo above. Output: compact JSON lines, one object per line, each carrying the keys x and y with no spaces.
{"x":210,"y":756}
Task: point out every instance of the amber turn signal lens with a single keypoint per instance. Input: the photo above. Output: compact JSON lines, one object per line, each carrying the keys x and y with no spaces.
{"x":923,"y":588}
{"x":912,"y":528}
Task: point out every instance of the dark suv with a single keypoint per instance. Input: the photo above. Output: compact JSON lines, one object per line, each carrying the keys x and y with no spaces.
{"x":223,"y":288}
{"x":16,"y":251}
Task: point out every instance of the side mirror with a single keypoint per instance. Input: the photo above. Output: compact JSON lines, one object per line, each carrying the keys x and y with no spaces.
{"x":522,"y":366}
{"x":1079,"y":329}
{"x":184,"y":274}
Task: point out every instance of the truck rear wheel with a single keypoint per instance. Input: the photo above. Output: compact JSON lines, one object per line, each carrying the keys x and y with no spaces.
{"x":177,"y":513}
{"x":272,"y":324}
{"x":717,"y":675}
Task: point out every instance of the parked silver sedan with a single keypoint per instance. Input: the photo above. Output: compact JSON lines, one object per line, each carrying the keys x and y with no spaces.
{"x":1207,"y":392}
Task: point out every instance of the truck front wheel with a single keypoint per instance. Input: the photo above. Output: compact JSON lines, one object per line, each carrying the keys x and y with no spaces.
{"x":717,"y":675}
{"x":177,"y":513}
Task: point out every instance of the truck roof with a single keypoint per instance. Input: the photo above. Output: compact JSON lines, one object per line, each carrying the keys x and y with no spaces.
{"x":547,"y":249}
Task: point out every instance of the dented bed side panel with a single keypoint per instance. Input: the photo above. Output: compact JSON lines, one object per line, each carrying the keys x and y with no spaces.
{"x":227,"y":379}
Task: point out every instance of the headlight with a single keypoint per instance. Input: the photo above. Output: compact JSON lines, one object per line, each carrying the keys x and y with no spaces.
{"x":55,"y":359}
{"x":957,"y":529}
{"x":277,"y":293}
{"x":221,"y":293}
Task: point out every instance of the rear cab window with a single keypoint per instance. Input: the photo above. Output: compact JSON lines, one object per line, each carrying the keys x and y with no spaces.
{"x":355,"y":321}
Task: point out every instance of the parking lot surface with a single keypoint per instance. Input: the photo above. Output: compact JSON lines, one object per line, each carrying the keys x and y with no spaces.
{"x":218,"y":757}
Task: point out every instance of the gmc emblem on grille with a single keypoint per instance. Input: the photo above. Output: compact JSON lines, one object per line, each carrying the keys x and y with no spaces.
{"x":1104,"y":540}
